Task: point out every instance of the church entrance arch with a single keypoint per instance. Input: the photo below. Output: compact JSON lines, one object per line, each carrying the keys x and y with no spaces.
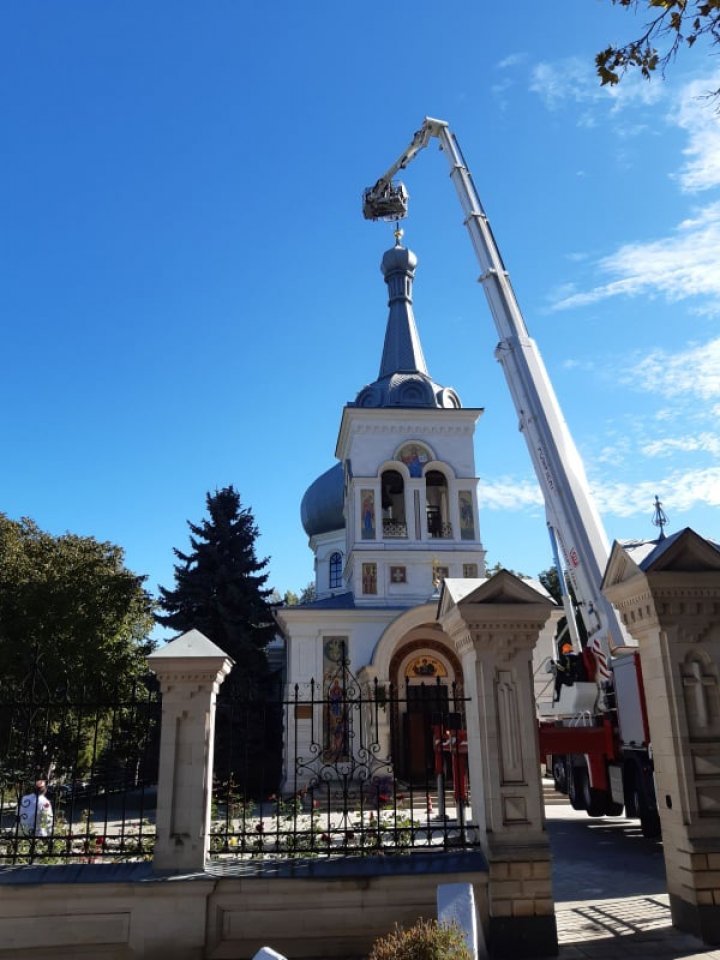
{"x":427,"y":676}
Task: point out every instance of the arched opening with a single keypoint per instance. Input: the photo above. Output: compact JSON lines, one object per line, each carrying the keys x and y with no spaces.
{"x":392,"y":488}
{"x":436,"y":505}
{"x":428,"y":679}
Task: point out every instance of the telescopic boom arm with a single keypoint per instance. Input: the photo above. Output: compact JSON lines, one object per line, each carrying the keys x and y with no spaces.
{"x":559,"y":470}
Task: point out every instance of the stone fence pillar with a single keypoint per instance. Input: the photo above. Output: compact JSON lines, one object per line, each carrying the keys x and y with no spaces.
{"x":495,"y":629}
{"x":190,"y":670}
{"x":669,"y":600}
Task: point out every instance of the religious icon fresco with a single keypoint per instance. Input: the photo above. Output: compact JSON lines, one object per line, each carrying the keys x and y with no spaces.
{"x":467,"y":516}
{"x":367,"y":500}
{"x":336,"y":720}
{"x":369,"y":578}
{"x":425,"y":667}
{"x":414,"y":456}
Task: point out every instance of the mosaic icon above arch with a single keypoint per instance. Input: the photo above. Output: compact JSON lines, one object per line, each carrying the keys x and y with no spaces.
{"x":424,"y":668}
{"x":414,"y":456}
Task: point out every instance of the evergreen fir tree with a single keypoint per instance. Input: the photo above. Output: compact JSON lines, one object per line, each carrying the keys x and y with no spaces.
{"x":220,"y":589}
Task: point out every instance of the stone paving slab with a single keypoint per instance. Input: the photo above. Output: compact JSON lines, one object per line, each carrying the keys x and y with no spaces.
{"x":631,"y":927}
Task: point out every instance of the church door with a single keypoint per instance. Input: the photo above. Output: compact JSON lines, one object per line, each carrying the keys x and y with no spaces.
{"x":424,"y":701}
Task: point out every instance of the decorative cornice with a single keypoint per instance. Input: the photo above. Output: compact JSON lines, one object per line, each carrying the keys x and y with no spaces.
{"x":411,"y":429}
{"x":463,"y":643}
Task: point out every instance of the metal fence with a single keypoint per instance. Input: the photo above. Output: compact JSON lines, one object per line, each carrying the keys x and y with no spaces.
{"x":99,"y":759}
{"x":340,"y":768}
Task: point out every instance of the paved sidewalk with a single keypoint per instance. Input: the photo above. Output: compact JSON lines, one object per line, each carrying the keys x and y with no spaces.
{"x":620,"y":875}
{"x":633,"y":927}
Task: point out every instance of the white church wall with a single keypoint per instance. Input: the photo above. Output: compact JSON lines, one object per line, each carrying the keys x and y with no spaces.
{"x":324,"y":546}
{"x":370,"y":436}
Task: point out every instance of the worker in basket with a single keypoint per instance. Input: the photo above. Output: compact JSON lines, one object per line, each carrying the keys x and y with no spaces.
{"x":564,"y":667}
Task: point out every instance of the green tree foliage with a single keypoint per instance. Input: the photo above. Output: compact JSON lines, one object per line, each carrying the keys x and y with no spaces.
{"x":307,"y":595}
{"x":497,"y":567}
{"x":220,"y":591}
{"x":550,"y":580}
{"x":74,"y":625}
{"x":69,"y":606}
{"x":220,"y":588}
{"x":672,"y":24}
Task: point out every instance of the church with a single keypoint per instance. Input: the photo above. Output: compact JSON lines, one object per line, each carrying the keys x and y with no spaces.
{"x":388,"y":524}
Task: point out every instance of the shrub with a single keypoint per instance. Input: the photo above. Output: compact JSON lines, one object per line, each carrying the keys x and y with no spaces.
{"x":425,"y":940}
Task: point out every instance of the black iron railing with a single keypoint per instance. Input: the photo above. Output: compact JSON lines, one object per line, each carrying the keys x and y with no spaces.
{"x":98,"y":757}
{"x":365,"y":769}
{"x":395,"y":530}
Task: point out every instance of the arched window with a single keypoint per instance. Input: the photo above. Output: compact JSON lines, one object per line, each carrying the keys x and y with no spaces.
{"x":392,"y":486}
{"x":436,"y":491}
{"x":335,"y":570}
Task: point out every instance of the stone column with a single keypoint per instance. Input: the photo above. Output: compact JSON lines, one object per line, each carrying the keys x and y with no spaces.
{"x":669,"y":600}
{"x":495,"y":630}
{"x":190,"y":670}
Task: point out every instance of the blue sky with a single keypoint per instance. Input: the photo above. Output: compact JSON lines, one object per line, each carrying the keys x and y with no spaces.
{"x":189,"y":293}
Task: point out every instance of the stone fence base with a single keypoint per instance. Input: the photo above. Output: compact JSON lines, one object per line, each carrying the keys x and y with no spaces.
{"x":313,"y":910}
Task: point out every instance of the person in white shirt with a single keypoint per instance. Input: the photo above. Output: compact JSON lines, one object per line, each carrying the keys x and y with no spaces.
{"x":36,"y":812}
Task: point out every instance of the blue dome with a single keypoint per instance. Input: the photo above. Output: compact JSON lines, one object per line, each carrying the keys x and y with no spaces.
{"x":398,"y":258}
{"x":321,"y":509}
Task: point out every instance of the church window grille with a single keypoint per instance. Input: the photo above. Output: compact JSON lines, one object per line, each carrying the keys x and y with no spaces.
{"x":335,"y":570}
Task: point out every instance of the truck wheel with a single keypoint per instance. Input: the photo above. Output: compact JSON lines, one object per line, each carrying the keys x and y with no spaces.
{"x":613,"y":809}
{"x":577,"y":778}
{"x":650,"y":825}
{"x":595,"y":800}
{"x":632,"y":801}
{"x":559,"y":774}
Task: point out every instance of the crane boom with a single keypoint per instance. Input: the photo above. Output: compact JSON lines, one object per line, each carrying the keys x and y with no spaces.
{"x":558,"y":467}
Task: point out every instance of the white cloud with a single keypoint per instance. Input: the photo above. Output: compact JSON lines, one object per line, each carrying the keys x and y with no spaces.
{"x":512,"y":60}
{"x":573,"y":80}
{"x":683,"y":264}
{"x":506,"y":493}
{"x":693,"y":372}
{"x":681,"y":490}
{"x":680,"y":266}
{"x":702,"y":124}
{"x":667,"y":446}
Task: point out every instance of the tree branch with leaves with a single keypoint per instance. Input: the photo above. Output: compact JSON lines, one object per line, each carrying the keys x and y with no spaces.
{"x":673,"y":25}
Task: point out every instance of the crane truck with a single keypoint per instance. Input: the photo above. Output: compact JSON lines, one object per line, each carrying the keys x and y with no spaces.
{"x":595,"y":733}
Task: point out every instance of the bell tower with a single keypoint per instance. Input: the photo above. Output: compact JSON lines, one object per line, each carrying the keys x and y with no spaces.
{"x":406,"y":446}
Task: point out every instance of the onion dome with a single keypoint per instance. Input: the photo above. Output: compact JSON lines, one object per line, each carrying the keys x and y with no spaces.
{"x":321,"y":509}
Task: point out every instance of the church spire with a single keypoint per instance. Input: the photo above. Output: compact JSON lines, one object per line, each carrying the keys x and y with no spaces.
{"x":402,"y":352}
{"x":403,"y":380}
